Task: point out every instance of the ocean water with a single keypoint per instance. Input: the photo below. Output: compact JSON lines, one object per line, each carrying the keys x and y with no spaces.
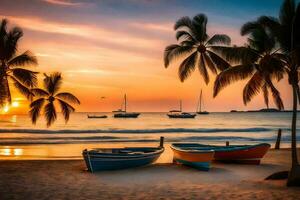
{"x":20,"y":139}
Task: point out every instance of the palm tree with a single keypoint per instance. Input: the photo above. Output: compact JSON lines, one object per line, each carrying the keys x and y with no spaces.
{"x":258,"y":61}
{"x":11,"y":63}
{"x":196,"y":46}
{"x":287,"y":32}
{"x":49,"y":96}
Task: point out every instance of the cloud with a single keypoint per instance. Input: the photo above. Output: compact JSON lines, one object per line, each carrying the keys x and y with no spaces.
{"x":167,"y":27}
{"x":63,"y":2}
{"x":88,"y":32}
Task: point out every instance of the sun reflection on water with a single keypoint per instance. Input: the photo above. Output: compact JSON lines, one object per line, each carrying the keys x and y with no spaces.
{"x":11,"y":152}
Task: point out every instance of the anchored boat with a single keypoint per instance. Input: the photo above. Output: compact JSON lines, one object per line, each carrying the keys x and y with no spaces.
{"x":123,"y":113}
{"x":196,"y":158}
{"x":97,"y":116}
{"x":245,"y":154}
{"x":179,"y":113}
{"x":121,"y":158}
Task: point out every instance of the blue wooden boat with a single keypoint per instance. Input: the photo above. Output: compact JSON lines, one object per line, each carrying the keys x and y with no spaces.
{"x":196,"y":158}
{"x":120,"y":158}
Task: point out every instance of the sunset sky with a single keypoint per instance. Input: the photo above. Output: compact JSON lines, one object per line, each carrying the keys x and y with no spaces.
{"x":111,"y":47}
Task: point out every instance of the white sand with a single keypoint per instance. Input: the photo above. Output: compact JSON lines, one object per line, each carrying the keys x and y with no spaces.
{"x":69,"y":180}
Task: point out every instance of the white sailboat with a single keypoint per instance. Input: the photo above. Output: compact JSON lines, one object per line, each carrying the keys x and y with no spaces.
{"x":179,"y":113}
{"x":123,"y":113}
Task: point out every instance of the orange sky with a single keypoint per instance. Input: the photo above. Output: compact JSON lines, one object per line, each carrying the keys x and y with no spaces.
{"x":103,"y":54}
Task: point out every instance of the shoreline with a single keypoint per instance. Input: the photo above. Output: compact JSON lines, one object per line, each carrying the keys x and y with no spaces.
{"x":73,"y":151}
{"x":68,"y":179}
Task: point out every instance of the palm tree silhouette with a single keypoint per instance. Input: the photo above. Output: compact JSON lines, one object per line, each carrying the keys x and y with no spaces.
{"x":286,"y":29}
{"x":49,"y":96}
{"x":10,"y":64}
{"x":196,"y":46}
{"x":259,"y":61}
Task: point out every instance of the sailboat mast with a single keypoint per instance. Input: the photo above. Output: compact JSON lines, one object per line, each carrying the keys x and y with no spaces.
{"x":125,"y":101}
{"x":180,"y":104}
{"x":201,"y":101}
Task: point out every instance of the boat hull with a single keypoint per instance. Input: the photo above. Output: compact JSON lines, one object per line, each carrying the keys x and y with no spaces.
{"x":251,"y":155}
{"x":181,"y":116}
{"x":197,"y":159}
{"x":102,"y":162}
{"x":96,"y":116}
{"x":203,"y":113}
{"x":126,"y":115}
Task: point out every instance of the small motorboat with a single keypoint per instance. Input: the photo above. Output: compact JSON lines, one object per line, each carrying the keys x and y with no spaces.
{"x":97,"y":116}
{"x":244,"y":154}
{"x":120,"y":158}
{"x":196,"y":158}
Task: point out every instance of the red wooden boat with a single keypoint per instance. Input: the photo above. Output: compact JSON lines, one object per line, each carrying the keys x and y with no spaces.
{"x":245,"y":154}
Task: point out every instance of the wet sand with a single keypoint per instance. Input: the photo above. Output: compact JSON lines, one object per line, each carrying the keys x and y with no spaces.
{"x":68,"y":179}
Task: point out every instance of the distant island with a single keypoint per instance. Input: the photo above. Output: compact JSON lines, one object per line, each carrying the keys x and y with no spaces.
{"x":263,"y":110}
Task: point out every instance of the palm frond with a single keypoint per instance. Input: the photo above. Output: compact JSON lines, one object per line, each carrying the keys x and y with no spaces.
{"x":265,"y":94}
{"x":50,"y":113}
{"x":66,"y":109}
{"x":174,"y":51}
{"x":249,"y":27}
{"x":3,"y":33}
{"x":11,"y":42}
{"x":203,"y":70}
{"x":187,"y":43}
{"x":261,"y":40}
{"x":296,"y":33}
{"x":209,"y":63}
{"x":252,"y":88}
{"x":183,"y":22}
{"x":39,"y":92}
{"x":26,"y":58}
{"x":220,"y":63}
{"x":52,"y":82}
{"x":231,"y":75}
{"x":25,"y":76}
{"x":187,"y":66}
{"x":219,"y":39}
{"x":199,"y":23}
{"x":287,"y":12}
{"x":35,"y":109}
{"x":22,"y":88}
{"x":271,"y":23}
{"x":276,"y":94}
{"x":184,"y":35}
{"x":236,"y":54}
{"x":68,"y":97}
{"x":5,"y":95}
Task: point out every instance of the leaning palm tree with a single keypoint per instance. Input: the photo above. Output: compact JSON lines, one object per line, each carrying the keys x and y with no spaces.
{"x":257,"y":61}
{"x":196,"y":46}
{"x":11,"y":63}
{"x":47,"y":97}
{"x":287,"y":32}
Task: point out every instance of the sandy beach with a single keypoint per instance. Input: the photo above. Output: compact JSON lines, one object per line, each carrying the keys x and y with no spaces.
{"x":68,"y":179}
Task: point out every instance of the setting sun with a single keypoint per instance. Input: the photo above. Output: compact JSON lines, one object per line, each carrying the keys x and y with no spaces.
{"x":15,"y":104}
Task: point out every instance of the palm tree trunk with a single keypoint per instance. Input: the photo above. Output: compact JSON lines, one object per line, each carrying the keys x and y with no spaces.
{"x":294,"y":125}
{"x":294,"y":175}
